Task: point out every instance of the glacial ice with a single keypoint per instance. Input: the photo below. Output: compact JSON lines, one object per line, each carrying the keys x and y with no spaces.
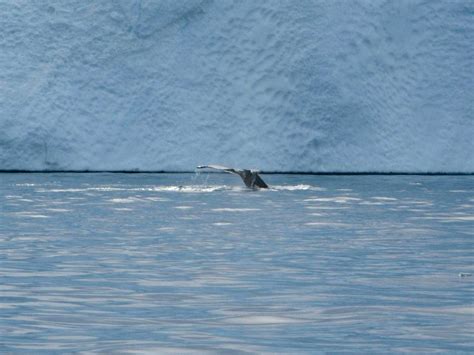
{"x":277,"y":85}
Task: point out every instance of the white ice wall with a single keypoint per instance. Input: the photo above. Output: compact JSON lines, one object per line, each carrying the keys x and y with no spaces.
{"x":293,"y":85}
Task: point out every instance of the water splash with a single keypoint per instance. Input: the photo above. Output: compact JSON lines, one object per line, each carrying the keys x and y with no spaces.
{"x":183,"y":188}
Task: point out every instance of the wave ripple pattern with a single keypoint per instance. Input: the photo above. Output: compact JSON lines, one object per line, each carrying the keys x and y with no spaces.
{"x":176,"y":264}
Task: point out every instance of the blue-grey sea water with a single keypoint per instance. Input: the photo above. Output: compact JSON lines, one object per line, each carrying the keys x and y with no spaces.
{"x":184,"y":263}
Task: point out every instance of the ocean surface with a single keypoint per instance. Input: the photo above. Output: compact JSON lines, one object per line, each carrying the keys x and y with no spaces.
{"x":186,"y":263}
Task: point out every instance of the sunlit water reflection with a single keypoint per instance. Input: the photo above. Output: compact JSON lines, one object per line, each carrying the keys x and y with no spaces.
{"x":183,"y":263}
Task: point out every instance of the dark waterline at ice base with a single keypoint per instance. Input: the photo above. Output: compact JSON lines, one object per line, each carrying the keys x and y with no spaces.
{"x":184,"y":263}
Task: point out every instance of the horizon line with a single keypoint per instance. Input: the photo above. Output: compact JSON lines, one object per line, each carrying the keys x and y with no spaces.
{"x":274,"y":172}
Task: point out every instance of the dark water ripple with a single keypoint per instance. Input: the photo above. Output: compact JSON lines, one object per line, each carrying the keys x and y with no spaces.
{"x":182,"y":263}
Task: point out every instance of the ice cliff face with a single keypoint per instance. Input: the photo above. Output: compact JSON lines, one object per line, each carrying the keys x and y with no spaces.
{"x":279,"y":85}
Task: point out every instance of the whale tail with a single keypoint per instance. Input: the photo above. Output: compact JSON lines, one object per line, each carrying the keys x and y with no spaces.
{"x":251,"y":178}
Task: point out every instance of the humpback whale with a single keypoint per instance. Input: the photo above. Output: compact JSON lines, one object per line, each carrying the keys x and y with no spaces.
{"x":250,"y":177}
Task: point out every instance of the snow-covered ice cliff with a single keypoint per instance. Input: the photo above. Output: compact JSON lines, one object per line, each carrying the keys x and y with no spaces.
{"x":281,"y":85}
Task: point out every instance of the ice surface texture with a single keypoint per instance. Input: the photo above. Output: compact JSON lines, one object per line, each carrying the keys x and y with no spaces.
{"x":277,"y":85}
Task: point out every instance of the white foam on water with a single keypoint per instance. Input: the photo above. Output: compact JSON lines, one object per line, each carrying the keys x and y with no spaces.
{"x":302,"y":187}
{"x":193,"y":188}
{"x":337,"y":199}
{"x":383,"y":198}
{"x":182,"y":188}
{"x":327,"y":207}
{"x":263,"y":319}
{"x":327,"y":224}
{"x":29,"y":214}
{"x":235,"y":209}
{"x":125,"y":200}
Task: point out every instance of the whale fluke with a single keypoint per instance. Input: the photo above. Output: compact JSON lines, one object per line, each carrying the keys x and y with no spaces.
{"x":250,"y":177}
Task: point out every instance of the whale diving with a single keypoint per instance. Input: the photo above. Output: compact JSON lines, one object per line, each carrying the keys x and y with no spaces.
{"x":251,"y":178}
